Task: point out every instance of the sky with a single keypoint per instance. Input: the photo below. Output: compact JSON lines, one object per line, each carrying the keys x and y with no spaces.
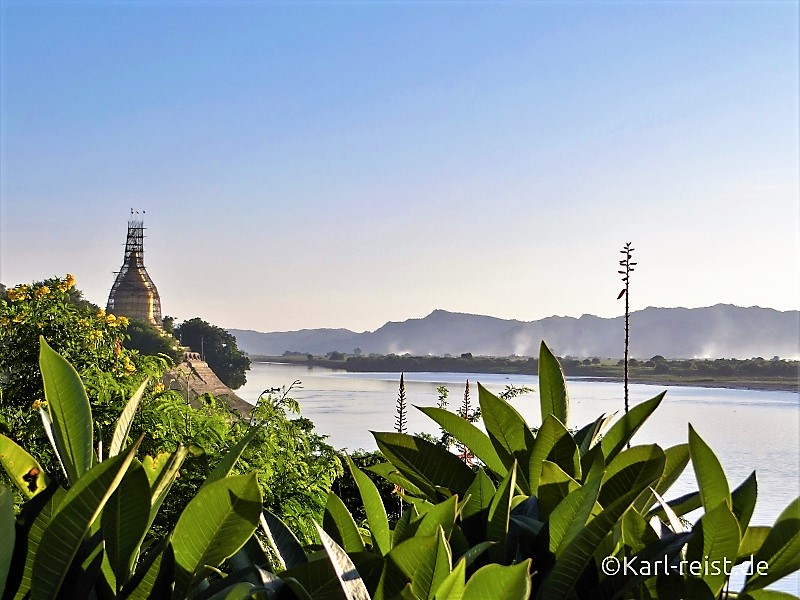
{"x":345,"y":164}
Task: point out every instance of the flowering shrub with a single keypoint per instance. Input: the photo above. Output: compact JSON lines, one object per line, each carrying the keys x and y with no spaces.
{"x":91,"y":339}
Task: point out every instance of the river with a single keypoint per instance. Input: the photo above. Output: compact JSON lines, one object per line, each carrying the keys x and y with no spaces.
{"x":748,"y":430}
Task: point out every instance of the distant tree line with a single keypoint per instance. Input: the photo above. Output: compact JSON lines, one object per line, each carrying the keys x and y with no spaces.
{"x":756,"y":368}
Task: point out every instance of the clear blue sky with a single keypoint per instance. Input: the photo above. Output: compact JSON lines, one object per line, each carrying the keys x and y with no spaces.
{"x":344,"y":164}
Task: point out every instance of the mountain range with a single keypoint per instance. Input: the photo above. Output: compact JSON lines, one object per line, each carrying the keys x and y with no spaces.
{"x":720,"y":331}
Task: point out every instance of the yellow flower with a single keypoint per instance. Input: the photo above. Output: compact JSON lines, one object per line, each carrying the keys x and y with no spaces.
{"x":36,"y":404}
{"x":158,"y":388}
{"x":123,"y":321}
{"x":41,"y":292}
{"x":101,"y":312}
{"x":67,"y":283}
{"x":130,"y":367}
{"x":18,"y":293}
{"x":111,"y":319}
{"x":96,"y":335}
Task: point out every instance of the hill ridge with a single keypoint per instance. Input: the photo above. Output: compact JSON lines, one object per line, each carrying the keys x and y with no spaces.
{"x":718,"y":331}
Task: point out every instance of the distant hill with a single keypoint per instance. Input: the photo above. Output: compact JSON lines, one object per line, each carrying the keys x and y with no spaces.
{"x":720,"y":331}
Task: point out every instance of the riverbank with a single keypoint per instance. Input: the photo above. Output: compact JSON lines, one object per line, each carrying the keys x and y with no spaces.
{"x":751,"y":374}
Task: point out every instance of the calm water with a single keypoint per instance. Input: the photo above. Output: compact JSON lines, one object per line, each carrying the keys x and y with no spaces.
{"x":749,"y":430}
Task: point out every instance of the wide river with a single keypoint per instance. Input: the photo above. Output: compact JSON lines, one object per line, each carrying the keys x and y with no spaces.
{"x":748,"y":430}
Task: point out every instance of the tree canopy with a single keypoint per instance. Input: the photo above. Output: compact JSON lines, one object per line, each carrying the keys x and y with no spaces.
{"x":218,"y":348}
{"x":148,"y":340}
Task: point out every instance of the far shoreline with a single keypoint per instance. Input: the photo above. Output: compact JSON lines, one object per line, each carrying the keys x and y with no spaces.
{"x":506,"y":367}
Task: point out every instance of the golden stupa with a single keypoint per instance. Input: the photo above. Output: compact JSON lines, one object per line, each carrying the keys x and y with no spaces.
{"x":134,"y":294}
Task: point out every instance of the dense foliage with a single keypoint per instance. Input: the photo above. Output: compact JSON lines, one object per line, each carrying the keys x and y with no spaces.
{"x":537,"y":516}
{"x":146,"y":339}
{"x":218,"y":348}
{"x":87,"y":336}
{"x":294,"y":464}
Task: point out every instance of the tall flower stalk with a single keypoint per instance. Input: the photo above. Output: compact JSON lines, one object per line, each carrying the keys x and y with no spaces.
{"x":401,"y":426}
{"x":400,"y":420}
{"x":627,"y":269}
{"x":466,"y":413}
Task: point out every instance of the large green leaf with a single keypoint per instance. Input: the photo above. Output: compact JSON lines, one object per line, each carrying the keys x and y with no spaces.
{"x":442,"y":515}
{"x":780,"y":550}
{"x":162,"y":474}
{"x":69,"y":410}
{"x":554,"y":485}
{"x":452,"y":586}
{"x":26,"y":473}
{"x":32,"y":521}
{"x":624,"y":486}
{"x":390,"y":473}
{"x":624,"y":460}
{"x":715,"y":541}
{"x":314,"y":580}
{"x":551,"y":434}
{"x":628,"y":424}
{"x":346,"y":572}
{"x":213,"y":526}
{"x":508,"y":431}
{"x":373,"y":506}
{"x":476,"y":508}
{"x":425,"y":463}
{"x":69,"y":526}
{"x":7,"y":533}
{"x":571,"y":514}
{"x":710,"y":477}
{"x":588,"y":435}
{"x":677,"y":457}
{"x":283,"y":542}
{"x":553,"y":396}
{"x":123,"y":427}
{"x":154,"y":575}
{"x":752,"y":540}
{"x":125,"y":522}
{"x":498,"y":581}
{"x":420,"y":560}
{"x":743,"y":501}
{"x":473,"y":438}
{"x":636,"y":533}
{"x":225,"y":466}
{"x":443,"y":564}
{"x":339,"y":523}
{"x":478,"y":496}
{"x":500,"y":513}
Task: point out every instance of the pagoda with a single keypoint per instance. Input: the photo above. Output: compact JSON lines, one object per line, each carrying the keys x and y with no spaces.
{"x":134,"y":294}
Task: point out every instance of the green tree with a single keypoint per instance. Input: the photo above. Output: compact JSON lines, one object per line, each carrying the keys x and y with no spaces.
{"x":168,"y":324}
{"x":218,"y":348}
{"x":146,"y":339}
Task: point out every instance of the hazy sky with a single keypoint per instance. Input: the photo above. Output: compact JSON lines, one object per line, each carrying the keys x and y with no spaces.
{"x":344,"y":164}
